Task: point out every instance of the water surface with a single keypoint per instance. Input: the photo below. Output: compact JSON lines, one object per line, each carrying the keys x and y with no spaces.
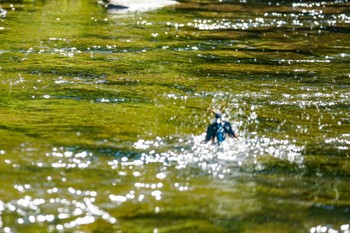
{"x":102,"y":116}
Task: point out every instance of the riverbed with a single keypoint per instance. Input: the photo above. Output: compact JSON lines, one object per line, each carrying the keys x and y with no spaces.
{"x":103,"y":115}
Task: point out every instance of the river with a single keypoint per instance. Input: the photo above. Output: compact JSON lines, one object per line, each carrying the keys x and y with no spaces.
{"x":103,"y":115}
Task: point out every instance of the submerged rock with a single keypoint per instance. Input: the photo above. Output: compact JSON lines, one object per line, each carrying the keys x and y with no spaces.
{"x":135,"y":5}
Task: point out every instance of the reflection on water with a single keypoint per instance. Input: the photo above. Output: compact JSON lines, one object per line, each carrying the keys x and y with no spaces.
{"x":128,"y":6}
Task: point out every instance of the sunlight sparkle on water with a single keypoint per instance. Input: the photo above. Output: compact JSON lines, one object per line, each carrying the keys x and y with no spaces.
{"x":345,"y":228}
{"x":307,"y":17}
{"x":67,"y":159}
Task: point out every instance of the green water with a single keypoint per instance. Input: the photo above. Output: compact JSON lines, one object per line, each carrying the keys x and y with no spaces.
{"x":102,"y":117}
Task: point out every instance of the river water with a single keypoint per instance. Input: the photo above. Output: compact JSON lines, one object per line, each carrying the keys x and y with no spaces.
{"x":103,"y":114}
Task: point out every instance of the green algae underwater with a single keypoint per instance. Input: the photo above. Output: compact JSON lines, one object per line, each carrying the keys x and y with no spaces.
{"x":102,"y":116}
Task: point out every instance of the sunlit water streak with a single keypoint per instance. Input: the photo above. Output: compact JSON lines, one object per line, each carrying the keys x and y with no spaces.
{"x":306,"y":18}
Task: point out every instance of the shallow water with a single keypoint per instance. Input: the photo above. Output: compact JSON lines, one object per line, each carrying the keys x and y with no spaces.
{"x":102,"y":116}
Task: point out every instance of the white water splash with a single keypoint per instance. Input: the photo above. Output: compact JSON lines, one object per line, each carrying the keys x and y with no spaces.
{"x":220,"y":160}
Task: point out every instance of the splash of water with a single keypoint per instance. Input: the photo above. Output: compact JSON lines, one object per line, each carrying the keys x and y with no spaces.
{"x":220,"y":160}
